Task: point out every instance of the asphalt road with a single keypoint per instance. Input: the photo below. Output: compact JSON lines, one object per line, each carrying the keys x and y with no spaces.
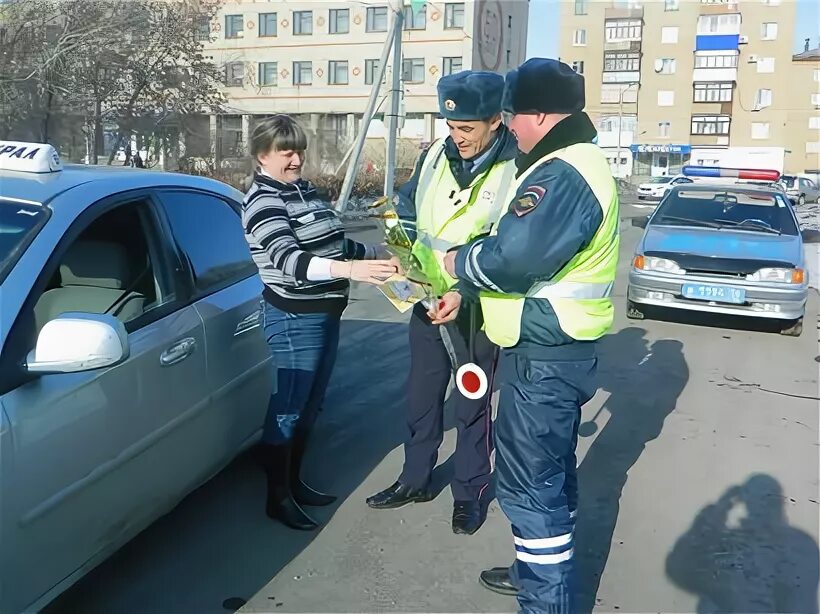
{"x":698,"y":475}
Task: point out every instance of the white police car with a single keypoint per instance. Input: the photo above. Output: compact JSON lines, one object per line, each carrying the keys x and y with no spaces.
{"x":133,"y":366}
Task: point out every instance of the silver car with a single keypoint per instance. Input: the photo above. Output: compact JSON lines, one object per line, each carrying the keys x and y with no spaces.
{"x":801,"y":190}
{"x":727,"y":249}
{"x":133,"y":364}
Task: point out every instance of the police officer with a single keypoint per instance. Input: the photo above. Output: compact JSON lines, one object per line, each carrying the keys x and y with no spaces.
{"x":453,"y":196}
{"x":546,"y":275}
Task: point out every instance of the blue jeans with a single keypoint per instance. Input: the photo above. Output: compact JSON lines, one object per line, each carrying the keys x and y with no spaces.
{"x":304,"y":348}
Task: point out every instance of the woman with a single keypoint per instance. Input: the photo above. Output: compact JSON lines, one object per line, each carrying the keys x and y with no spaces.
{"x":306,"y":263}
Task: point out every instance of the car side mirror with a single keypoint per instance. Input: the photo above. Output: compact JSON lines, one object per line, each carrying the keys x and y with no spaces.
{"x":76,"y":342}
{"x":810,"y":236}
{"x":640,"y":222}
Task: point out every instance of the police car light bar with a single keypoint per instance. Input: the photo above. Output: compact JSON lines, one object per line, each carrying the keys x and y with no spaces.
{"x":29,"y":157}
{"x":730,"y":173}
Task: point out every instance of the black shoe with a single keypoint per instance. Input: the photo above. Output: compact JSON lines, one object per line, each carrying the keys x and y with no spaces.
{"x":280,"y":504}
{"x":398,"y":495}
{"x":498,"y":580}
{"x":467,"y":517}
{"x":303,"y":493}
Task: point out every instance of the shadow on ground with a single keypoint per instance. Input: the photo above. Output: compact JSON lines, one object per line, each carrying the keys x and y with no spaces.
{"x":644,"y":380}
{"x":218,"y":545}
{"x":741,"y":555}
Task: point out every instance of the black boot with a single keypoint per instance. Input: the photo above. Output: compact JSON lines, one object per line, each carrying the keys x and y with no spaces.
{"x":498,"y":580}
{"x":281,"y":505}
{"x":303,"y":493}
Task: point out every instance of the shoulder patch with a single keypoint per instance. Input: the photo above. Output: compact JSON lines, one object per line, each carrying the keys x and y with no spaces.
{"x":529,"y":200}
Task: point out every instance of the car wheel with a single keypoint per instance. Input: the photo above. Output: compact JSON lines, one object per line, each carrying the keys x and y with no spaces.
{"x":633,"y":312}
{"x":794,"y":329}
{"x":801,"y":200}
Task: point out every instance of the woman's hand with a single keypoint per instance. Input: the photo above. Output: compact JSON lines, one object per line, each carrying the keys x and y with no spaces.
{"x":368,"y":271}
{"x":397,"y":263}
{"x":447,"y":308}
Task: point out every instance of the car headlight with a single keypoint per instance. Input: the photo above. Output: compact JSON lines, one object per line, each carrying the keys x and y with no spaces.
{"x":782,"y":276}
{"x":661,"y":265}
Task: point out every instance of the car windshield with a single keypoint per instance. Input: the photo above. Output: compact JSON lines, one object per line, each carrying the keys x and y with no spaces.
{"x":788,"y":181}
{"x":660,"y":180}
{"x":18,"y":225}
{"x":763,"y":212}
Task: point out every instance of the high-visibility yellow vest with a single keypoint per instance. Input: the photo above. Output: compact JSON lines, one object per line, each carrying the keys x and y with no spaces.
{"x":580,"y":293}
{"x":447,"y":216}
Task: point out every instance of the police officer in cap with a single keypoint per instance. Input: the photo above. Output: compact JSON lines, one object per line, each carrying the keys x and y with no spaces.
{"x":546,"y":275}
{"x":455,"y":194}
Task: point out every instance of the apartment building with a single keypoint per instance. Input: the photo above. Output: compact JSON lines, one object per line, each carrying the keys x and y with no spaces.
{"x":671,"y":82}
{"x":318,"y":60}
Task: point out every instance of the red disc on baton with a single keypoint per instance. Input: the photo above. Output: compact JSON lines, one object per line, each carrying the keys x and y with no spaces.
{"x":471,"y":381}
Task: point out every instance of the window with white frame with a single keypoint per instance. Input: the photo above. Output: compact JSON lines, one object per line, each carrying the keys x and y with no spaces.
{"x":814,"y":123}
{"x":815,"y":100}
{"x":302,"y":73}
{"x":412,"y":70}
{"x":813,"y":147}
{"x":719,"y":24}
{"x":234,"y":74}
{"x":453,"y":15}
{"x":303,"y":23}
{"x":339,"y":21}
{"x":768,"y":31}
{"x":713,"y":92}
{"x":267,"y":24}
{"x":668,"y":66}
{"x":669,"y":35}
{"x":579,"y":38}
{"x":760,"y":130}
{"x":268,"y":74}
{"x":622,"y":61}
{"x":452,"y":65}
{"x":376,"y":19}
{"x":765,"y":65}
{"x":234,"y":26}
{"x":578,"y":66}
{"x":671,"y":5}
{"x":666,"y":98}
{"x":772,"y":2}
{"x":580,"y":7}
{"x":415,"y":19}
{"x":715,"y":60}
{"x":711,"y":124}
{"x":664,"y":129}
{"x":817,"y":76}
{"x":337,"y":72}
{"x":763,"y":99}
{"x":622,"y":30}
{"x":371,"y":67}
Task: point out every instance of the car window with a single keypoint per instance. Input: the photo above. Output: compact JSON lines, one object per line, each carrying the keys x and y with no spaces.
{"x":114,"y":266}
{"x":19,"y":224}
{"x":209,"y":232}
{"x":751,"y":211}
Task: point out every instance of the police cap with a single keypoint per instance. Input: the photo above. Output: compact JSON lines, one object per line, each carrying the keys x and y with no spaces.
{"x":470,"y":95}
{"x":542,"y":85}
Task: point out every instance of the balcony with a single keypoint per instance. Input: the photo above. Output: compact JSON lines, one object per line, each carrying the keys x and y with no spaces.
{"x":621,"y":77}
{"x":712,"y":75}
{"x":718,"y":8}
{"x":623,"y":45}
{"x":623,"y":13}
{"x":709,"y":140}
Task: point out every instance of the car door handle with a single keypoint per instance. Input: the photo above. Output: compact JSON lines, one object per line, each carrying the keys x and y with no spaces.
{"x":178,"y":352}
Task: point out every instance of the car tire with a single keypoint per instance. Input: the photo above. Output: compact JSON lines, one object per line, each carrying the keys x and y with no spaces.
{"x":633,"y":311}
{"x":794,"y":329}
{"x":801,"y":200}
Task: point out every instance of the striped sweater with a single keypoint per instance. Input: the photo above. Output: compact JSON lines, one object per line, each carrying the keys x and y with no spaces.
{"x":286,"y":226}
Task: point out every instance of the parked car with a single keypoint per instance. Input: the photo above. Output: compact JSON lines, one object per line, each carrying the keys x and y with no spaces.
{"x":728,"y":249}
{"x":133,"y":366}
{"x":657,"y":187}
{"x":801,"y":190}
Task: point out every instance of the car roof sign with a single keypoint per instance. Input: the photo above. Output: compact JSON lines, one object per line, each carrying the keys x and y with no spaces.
{"x":29,"y":157}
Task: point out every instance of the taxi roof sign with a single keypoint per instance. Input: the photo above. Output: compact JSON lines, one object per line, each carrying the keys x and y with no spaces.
{"x":29,"y":157}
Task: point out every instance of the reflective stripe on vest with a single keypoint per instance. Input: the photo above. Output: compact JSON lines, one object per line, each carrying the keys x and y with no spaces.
{"x":579,"y":294}
{"x":447,"y":216}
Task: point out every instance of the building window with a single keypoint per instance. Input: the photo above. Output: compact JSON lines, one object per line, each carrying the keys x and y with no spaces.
{"x":760,"y":130}
{"x":337,"y":73}
{"x":412,"y":70}
{"x":580,"y":7}
{"x":817,"y":76}
{"x":376,"y":19}
{"x":454,"y":16}
{"x":666,"y":98}
{"x":765,"y":65}
{"x":668,"y":66}
{"x":768,"y":31}
{"x":339,"y":21}
{"x":671,"y":5}
{"x":268,"y":74}
{"x":579,"y":38}
{"x":234,"y":26}
{"x":415,"y":20}
{"x":267,"y":24}
{"x":763,"y":99}
{"x":452,"y":65}
{"x":302,"y":73}
{"x":815,"y":100}
{"x":621,"y":61}
{"x":719,"y":24}
{"x":664,"y":129}
{"x":623,"y":30}
{"x":711,"y":124}
{"x":303,"y":23}
{"x":814,"y":123}
{"x":371,"y":67}
{"x":578,"y":66}
{"x":234,"y":74}
{"x":203,"y":29}
{"x":772,"y":2}
{"x":813,"y":147}
{"x":716,"y":61}
{"x":713,"y":92}
{"x":669,"y":35}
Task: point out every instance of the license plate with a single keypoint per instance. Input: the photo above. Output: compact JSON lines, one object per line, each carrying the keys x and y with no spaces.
{"x":718,"y":294}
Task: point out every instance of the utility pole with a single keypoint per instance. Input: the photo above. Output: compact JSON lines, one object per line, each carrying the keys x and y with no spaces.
{"x":620,"y":121}
{"x":395,"y":101}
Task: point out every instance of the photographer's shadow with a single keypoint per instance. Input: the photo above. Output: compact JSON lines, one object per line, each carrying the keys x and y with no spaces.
{"x":741,"y":555}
